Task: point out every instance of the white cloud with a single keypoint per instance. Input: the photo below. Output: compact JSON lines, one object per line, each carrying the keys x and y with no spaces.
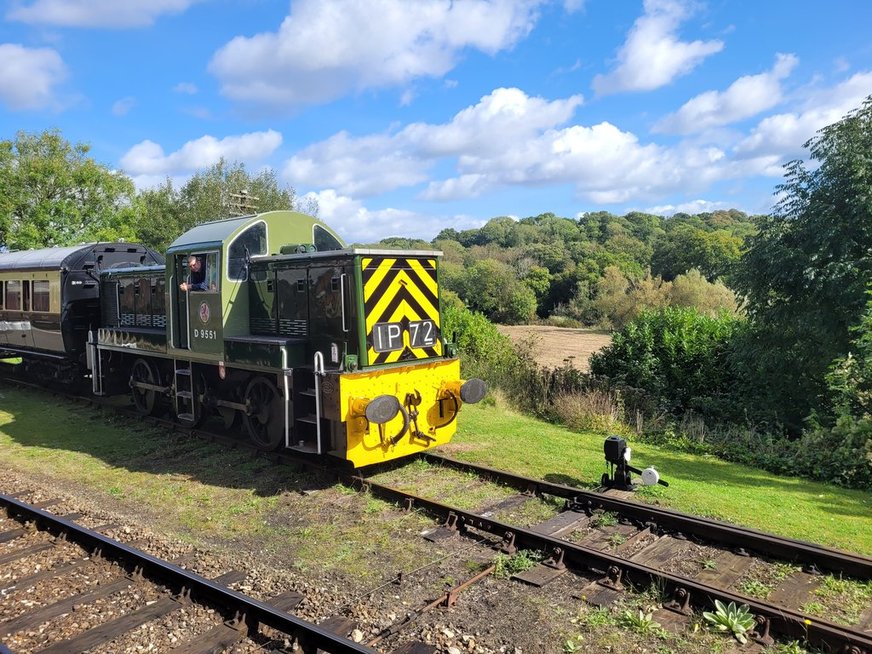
{"x":188,"y":88}
{"x":326,"y":48}
{"x":356,"y":166}
{"x":95,"y":13}
{"x":354,"y":222}
{"x":374,"y":164}
{"x":780,"y":137}
{"x":28,"y":76}
{"x":506,"y":139}
{"x":692,"y":207}
{"x":123,"y":106}
{"x":652,"y":55}
{"x":747,"y":96}
{"x":148,"y":158}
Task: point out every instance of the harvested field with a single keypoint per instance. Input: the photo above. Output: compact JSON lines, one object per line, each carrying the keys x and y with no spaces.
{"x":553,"y":345}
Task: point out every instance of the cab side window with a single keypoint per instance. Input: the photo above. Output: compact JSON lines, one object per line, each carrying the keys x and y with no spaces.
{"x":212,"y":276}
{"x":250,"y":242}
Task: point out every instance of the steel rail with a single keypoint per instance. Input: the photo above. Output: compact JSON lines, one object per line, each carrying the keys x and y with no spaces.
{"x":724,"y":533}
{"x":789,"y":623}
{"x":251,"y":611}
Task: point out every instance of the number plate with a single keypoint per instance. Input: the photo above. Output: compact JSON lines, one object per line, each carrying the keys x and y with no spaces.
{"x":388,"y":336}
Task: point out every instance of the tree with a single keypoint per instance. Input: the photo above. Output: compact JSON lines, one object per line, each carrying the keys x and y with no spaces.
{"x":805,"y":274}
{"x":683,"y":248}
{"x":492,"y":288}
{"x":694,"y":290}
{"x":53,"y":193}
{"x":214,"y":193}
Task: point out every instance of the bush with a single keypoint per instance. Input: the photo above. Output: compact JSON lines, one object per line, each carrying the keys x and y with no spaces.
{"x":677,"y":356}
{"x":484,"y":351}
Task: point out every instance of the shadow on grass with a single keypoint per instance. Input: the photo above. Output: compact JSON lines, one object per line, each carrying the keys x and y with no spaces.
{"x":42,"y":420}
{"x":569,"y":480}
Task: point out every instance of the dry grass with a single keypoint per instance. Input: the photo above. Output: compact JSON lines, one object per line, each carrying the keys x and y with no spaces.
{"x":553,"y":346}
{"x":593,"y":410}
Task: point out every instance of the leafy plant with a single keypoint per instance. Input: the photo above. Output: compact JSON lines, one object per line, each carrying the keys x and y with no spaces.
{"x":641,"y":622}
{"x":506,"y":566}
{"x":604,"y":519}
{"x":755,"y":588}
{"x":616,"y":540}
{"x":736,"y":620}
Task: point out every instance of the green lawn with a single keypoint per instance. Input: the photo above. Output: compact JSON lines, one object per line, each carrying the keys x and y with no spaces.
{"x":701,"y":485}
{"x":178,"y":477}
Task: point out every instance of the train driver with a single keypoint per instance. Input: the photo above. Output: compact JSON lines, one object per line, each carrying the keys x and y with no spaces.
{"x":197,"y":275}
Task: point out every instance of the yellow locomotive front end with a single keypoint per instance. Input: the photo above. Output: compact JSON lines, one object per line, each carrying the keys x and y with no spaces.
{"x":407,"y":392}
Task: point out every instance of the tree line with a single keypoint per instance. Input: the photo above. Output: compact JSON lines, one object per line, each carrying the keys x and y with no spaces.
{"x":53,"y":193}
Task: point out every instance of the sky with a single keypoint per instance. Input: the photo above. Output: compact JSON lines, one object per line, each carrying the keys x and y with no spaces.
{"x":404,"y":117}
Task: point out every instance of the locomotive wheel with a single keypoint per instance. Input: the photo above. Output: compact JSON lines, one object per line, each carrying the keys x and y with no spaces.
{"x":264,"y":420}
{"x":144,"y":400}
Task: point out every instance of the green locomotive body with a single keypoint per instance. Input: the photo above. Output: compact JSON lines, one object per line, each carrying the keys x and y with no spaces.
{"x":311,"y":345}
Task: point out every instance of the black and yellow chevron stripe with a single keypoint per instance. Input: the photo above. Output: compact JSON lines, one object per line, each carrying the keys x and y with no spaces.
{"x":400,"y":290}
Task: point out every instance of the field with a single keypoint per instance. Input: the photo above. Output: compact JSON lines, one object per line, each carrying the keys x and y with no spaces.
{"x":553,"y":346}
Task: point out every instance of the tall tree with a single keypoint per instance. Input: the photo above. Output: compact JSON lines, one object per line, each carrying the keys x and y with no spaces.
{"x":223,"y":190}
{"x":53,"y":193}
{"x":806,"y":272}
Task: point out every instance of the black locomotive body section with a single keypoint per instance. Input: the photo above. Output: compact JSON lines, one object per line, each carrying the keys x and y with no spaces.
{"x":309,"y":299}
{"x":50,"y":301}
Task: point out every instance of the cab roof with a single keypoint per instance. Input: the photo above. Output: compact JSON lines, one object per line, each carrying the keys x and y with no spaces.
{"x":283,"y":228}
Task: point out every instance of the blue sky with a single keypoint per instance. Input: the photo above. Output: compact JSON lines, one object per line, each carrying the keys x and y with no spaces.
{"x":402,"y":117}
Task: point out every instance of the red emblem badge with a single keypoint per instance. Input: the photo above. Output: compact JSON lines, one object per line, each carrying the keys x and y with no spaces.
{"x":204,"y":312}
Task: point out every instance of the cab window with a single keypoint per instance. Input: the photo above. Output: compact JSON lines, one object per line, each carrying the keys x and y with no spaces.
{"x":324,"y":240}
{"x":209,"y":271}
{"x":251,"y":241}
{"x":212,"y":276}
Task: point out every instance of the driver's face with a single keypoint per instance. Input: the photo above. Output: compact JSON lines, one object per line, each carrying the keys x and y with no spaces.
{"x":195,"y":265}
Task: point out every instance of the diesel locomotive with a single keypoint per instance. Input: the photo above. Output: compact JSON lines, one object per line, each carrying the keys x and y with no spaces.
{"x":268,"y":321}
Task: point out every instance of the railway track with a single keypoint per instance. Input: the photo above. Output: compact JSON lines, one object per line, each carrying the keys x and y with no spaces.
{"x":639,"y":545}
{"x":644,"y":544}
{"x":67,"y":588}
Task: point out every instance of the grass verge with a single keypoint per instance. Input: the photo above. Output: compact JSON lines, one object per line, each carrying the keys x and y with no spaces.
{"x":702,"y":485}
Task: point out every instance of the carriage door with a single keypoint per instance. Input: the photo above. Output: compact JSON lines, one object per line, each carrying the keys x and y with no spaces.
{"x":330,"y":322}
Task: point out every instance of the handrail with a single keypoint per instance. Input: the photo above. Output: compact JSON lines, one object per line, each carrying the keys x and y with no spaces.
{"x":319,"y":372}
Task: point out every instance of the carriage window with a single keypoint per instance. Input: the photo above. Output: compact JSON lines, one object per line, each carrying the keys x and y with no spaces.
{"x":324,"y":240}
{"x":13,"y":296}
{"x":2,"y":297}
{"x":40,"y":296}
{"x":253,"y":240}
{"x":26,"y":303}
